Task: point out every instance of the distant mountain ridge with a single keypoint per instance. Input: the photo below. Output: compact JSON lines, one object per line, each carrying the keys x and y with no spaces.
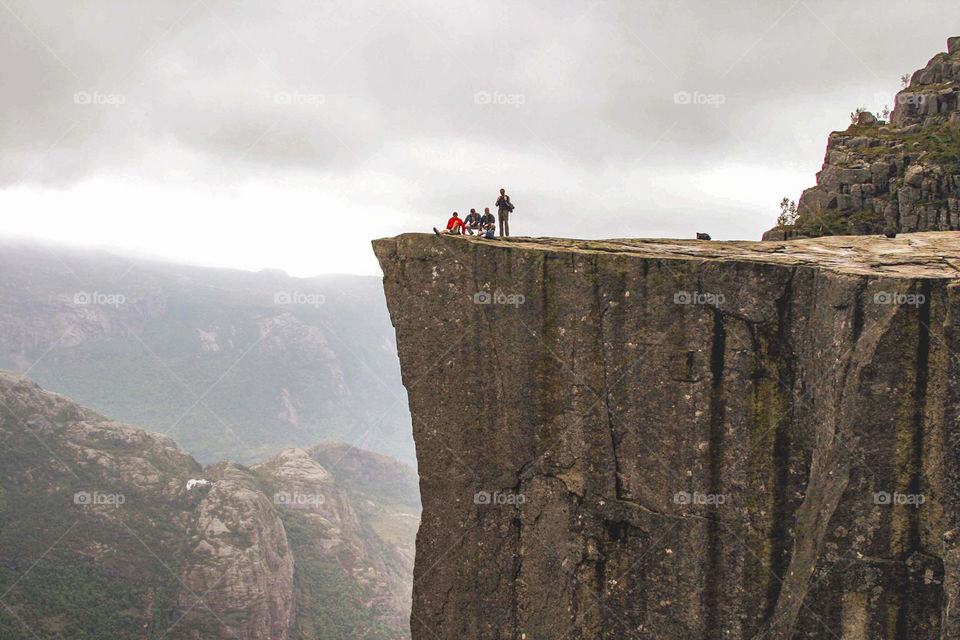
{"x":110,"y":531}
{"x":231,"y":364}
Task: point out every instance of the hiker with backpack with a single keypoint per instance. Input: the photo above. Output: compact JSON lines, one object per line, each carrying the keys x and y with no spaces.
{"x":504,"y":207}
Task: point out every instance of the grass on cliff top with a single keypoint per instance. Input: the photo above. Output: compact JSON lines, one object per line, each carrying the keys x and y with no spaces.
{"x":937,"y":146}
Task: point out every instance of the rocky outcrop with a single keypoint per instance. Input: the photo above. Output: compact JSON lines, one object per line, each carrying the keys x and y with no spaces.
{"x":673,"y":439}
{"x":242,"y":562}
{"x":902,"y":176}
{"x":360,"y":565}
{"x":385,"y":494}
{"x":110,"y":531}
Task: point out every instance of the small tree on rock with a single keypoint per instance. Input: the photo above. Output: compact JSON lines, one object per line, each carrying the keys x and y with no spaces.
{"x":788,"y":213}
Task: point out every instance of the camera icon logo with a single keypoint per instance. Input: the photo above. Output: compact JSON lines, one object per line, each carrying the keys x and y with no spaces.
{"x":682,"y":97}
{"x":282,"y":97}
{"x":81,"y":297}
{"x":482,"y":297}
{"x":682,"y":297}
{"x":282,"y":297}
{"x":481,"y":497}
{"x":282,"y":497}
{"x":81,"y":497}
{"x":82,"y":97}
{"x":682,"y":497}
{"x":882,"y":297}
{"x":482,"y":97}
{"x":883,"y":98}
{"x":882,"y":497}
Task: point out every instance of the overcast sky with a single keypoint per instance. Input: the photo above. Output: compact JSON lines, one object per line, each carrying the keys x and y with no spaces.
{"x":289,"y":133}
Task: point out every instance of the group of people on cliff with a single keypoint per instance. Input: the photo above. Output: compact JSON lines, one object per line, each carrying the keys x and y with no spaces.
{"x":484,"y":225}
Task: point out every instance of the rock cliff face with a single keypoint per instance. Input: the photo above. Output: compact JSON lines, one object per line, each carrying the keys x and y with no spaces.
{"x":673,"y":439}
{"x":110,"y":531}
{"x":901,"y":176}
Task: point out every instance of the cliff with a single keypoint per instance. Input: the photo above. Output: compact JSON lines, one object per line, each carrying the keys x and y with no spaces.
{"x":670,"y":439}
{"x":111,"y":531}
{"x":898,"y":176}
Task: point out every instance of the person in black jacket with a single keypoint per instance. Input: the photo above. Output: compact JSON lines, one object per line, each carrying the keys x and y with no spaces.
{"x":487,"y":218}
{"x":504,"y":207}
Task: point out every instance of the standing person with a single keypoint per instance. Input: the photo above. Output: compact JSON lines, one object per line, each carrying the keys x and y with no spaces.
{"x":504,"y":207}
{"x":454,"y":226}
{"x":472,"y":222}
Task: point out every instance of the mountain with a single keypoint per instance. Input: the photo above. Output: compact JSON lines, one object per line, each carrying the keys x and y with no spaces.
{"x":110,"y":531}
{"x":898,"y":176}
{"x":683,"y":439}
{"x":231,"y":364}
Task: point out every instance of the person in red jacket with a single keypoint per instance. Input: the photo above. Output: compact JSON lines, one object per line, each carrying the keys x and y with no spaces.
{"x":454,"y":226}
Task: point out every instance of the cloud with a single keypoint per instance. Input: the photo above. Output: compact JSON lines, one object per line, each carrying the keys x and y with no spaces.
{"x":562,"y":102}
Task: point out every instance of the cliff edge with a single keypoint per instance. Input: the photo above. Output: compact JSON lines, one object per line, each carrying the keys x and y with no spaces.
{"x":667,"y":438}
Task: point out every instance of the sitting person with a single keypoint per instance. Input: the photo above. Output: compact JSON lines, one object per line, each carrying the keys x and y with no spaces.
{"x":472,"y":222}
{"x":487,"y":218}
{"x":454,"y":226}
{"x":489,"y":232}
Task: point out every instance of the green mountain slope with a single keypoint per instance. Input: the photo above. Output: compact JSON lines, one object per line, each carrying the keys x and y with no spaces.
{"x":109,"y":531}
